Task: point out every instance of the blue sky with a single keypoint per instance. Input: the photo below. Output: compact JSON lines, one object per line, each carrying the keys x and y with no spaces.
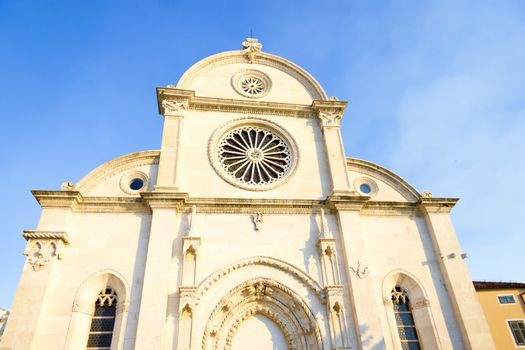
{"x":435,"y":89}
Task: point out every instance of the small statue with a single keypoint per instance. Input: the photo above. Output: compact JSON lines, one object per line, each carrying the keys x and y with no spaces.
{"x":426,"y":194}
{"x":257,"y":220}
{"x":67,"y":186}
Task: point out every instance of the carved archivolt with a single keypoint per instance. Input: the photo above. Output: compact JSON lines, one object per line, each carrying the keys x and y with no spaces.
{"x":261,"y":260}
{"x":271,"y":299}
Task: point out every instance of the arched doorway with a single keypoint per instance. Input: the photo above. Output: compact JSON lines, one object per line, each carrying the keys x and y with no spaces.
{"x":259,"y":333}
{"x":266,"y":309}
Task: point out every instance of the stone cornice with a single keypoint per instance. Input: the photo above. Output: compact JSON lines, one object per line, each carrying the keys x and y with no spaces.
{"x":340,"y":201}
{"x":346,"y":201}
{"x":37,"y":234}
{"x":57,"y":199}
{"x":164,"y":200}
{"x":437,"y":205}
{"x":251,"y":206}
{"x":231,"y":105}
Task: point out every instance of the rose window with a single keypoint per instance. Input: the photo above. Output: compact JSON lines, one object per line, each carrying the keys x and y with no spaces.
{"x":252,"y":86}
{"x":254,"y":155}
{"x":251,"y":83}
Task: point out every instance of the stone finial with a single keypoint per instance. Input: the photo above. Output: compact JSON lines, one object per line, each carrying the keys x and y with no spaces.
{"x":325,"y":232}
{"x":193,"y":222}
{"x":426,"y":194}
{"x":67,"y":186}
{"x":251,"y":47}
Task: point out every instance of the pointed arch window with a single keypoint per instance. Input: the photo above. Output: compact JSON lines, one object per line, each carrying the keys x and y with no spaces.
{"x":103,"y":321}
{"x":406,"y":326}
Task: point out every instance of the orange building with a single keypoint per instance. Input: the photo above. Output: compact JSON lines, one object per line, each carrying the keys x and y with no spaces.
{"x":504,"y":306}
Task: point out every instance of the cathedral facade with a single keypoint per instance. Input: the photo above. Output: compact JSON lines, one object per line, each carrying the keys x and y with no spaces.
{"x":249,"y":229}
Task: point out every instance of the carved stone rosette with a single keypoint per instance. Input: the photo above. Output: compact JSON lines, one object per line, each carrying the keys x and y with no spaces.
{"x":43,"y":246}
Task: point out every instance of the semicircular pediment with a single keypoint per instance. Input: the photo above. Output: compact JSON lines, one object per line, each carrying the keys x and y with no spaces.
{"x":251,"y":74}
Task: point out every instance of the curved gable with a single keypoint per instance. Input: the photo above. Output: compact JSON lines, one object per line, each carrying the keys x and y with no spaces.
{"x":389,"y":186}
{"x":111,"y":178}
{"x":214,"y":76}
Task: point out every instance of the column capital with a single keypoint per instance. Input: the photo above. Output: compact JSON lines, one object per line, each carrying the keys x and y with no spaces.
{"x":58,"y":199}
{"x":437,"y":205}
{"x":173,"y":102}
{"x":346,"y":200}
{"x":329,"y":112}
{"x":165,"y":200}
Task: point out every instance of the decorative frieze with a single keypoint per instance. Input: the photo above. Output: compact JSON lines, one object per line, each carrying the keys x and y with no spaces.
{"x":43,"y":246}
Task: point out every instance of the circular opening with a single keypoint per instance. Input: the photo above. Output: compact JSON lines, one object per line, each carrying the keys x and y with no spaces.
{"x":136,"y":184}
{"x":365,"y":188}
{"x":254,"y":156}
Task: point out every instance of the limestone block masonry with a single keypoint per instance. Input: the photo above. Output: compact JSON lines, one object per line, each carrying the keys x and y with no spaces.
{"x":249,"y":229}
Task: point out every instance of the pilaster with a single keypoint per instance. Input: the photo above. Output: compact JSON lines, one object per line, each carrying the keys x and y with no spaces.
{"x":188,"y":289}
{"x":172,"y":108}
{"x":326,"y":245}
{"x":330,"y":113}
{"x":366,"y":312}
{"x":165,"y":209}
{"x":470,"y":317}
{"x":44,"y":250}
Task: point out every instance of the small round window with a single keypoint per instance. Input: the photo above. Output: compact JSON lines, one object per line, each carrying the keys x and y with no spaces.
{"x":251,"y":83}
{"x":136,"y":184}
{"x":365,"y":186}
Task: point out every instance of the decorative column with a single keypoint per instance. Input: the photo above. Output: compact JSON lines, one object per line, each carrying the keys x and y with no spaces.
{"x":326,"y":245}
{"x":172,"y":104}
{"x":469,"y":315}
{"x":188,"y":290}
{"x":330,"y":114}
{"x":45,"y":249}
{"x":366,"y":312}
{"x":155,"y":288}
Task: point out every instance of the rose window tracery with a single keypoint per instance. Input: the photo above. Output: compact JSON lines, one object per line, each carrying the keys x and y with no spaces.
{"x":252,"y":85}
{"x":254,"y":155}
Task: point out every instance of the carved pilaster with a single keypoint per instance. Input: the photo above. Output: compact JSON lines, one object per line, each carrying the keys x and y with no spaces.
{"x":43,"y":246}
{"x":190,"y":248}
{"x":337,"y":318}
{"x":329,"y":263}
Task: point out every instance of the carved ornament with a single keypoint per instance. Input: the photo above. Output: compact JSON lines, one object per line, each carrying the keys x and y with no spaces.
{"x":251,"y":47}
{"x":359,"y":271}
{"x":174,"y":107}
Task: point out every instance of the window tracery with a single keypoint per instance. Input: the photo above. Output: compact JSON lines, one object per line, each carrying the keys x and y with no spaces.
{"x":254,"y":156}
{"x":103,"y":321}
{"x":406,"y":326}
